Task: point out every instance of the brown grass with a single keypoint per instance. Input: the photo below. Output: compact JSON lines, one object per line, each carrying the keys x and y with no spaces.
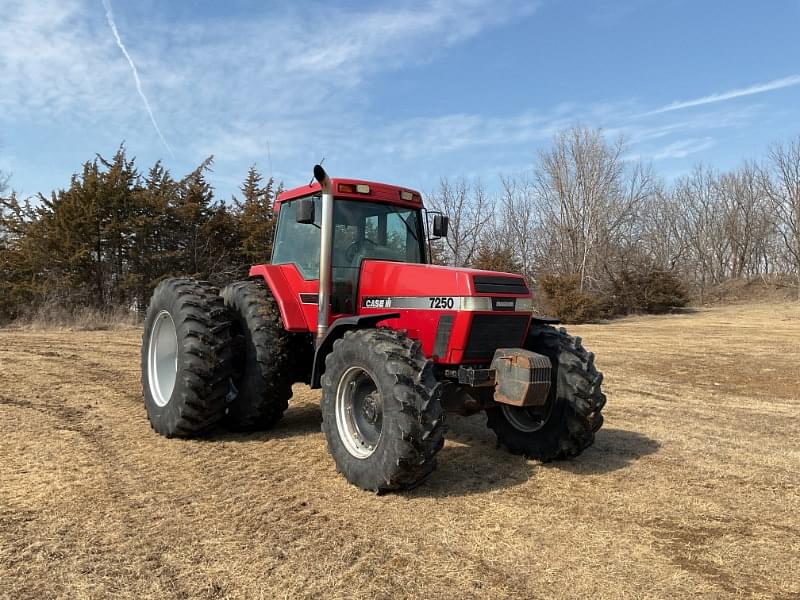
{"x":51,"y":316}
{"x":692,"y":487}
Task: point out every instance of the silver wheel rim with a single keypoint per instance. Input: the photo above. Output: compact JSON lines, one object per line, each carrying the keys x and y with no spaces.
{"x":162,"y":358}
{"x":359,"y":412}
{"x":524,"y":419}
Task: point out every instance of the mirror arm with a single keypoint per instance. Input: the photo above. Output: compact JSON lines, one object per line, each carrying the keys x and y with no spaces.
{"x":428,"y":235}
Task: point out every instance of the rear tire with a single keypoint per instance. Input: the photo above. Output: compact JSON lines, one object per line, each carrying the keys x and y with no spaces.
{"x":262,"y":382}
{"x":381,"y":410}
{"x":566,"y":426}
{"x":186,"y":358}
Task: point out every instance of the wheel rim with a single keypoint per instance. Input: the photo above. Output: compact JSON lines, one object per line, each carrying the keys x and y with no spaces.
{"x":525,"y":419}
{"x":359,"y":412}
{"x":162,"y":358}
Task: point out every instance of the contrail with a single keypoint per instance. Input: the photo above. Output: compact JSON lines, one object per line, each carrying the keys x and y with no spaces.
{"x":775,"y":84}
{"x":110,"y":19}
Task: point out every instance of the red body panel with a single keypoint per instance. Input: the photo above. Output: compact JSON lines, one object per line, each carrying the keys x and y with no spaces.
{"x":293,"y":295}
{"x":284,"y":294}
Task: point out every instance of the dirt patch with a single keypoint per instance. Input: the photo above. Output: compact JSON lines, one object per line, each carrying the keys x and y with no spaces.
{"x":692,"y":487}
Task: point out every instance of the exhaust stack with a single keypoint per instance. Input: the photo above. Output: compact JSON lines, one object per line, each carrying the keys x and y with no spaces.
{"x":325,"y":252}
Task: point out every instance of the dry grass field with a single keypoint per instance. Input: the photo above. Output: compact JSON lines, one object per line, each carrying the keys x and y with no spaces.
{"x":691,"y":489}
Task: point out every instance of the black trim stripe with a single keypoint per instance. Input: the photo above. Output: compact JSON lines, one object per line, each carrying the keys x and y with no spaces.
{"x":494,"y":284}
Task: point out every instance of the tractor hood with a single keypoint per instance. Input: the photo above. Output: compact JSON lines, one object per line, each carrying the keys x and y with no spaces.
{"x":459,"y":316}
{"x":395,"y":285}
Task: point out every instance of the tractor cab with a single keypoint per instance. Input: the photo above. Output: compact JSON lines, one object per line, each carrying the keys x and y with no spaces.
{"x":370,"y":221}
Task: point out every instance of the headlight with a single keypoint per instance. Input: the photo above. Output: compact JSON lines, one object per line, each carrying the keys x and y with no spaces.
{"x":524,"y":304}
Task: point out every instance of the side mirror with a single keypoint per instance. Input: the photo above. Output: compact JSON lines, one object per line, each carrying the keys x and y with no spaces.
{"x":440,"y":223}
{"x":304,"y":211}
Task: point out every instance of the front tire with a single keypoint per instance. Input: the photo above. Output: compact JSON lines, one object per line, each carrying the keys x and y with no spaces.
{"x":565,"y":427}
{"x":186,"y":358}
{"x":381,"y":410}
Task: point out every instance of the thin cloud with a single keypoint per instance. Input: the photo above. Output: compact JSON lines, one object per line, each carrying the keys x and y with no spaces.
{"x":676,"y":150}
{"x":759,"y":88}
{"x":112,"y":24}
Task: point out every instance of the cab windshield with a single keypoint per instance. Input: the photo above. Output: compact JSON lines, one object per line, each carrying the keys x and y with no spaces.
{"x":361,"y":230}
{"x":371,"y":230}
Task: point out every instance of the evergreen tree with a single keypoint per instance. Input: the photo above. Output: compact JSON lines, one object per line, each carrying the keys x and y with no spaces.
{"x":151,"y":232}
{"x":118,"y":198}
{"x":112,"y":235}
{"x":496,"y":259}
{"x":16,"y":274}
{"x":189,"y":210}
{"x":255,"y":218}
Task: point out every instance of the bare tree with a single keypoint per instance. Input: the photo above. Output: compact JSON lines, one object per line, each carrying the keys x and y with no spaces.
{"x":701,"y":220}
{"x":517,"y":223}
{"x":780,"y":180}
{"x":5,"y":206}
{"x":588,"y":199}
{"x":4,"y":179}
{"x":470,"y":213}
{"x":745,"y":220}
{"x":662,"y":239}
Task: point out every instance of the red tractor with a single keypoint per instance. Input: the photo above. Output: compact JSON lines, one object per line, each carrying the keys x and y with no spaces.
{"x":351,"y":304}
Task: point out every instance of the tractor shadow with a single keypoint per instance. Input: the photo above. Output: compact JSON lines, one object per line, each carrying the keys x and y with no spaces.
{"x":297,"y":421}
{"x":471,"y":462}
{"x":613,"y":449}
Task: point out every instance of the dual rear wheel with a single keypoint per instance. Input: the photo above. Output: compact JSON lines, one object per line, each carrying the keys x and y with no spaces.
{"x":187,"y":358}
{"x":211,"y":358}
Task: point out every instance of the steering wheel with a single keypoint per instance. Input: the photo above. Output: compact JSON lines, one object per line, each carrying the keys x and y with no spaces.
{"x":355,"y":247}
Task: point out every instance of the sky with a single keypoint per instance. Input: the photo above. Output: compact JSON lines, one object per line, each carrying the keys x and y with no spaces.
{"x":400,"y":92}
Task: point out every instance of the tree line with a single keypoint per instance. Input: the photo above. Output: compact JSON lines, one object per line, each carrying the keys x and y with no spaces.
{"x":593,"y":229}
{"x":601,"y":234}
{"x":115,"y":232}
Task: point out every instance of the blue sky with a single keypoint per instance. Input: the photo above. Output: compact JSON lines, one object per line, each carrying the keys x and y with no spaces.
{"x":403,"y":92}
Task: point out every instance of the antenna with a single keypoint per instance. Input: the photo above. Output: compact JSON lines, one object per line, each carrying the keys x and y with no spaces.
{"x":314,"y":177}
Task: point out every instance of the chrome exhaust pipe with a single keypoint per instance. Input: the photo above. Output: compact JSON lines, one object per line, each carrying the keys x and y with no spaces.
{"x":325,"y":253}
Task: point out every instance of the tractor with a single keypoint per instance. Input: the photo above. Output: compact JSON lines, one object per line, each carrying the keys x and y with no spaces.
{"x":350,"y":303}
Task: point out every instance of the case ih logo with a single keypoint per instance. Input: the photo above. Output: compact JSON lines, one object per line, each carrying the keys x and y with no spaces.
{"x":377,"y":302}
{"x":503,"y":303}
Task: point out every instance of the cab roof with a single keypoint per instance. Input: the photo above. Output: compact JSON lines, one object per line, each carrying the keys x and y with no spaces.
{"x":378,"y":192}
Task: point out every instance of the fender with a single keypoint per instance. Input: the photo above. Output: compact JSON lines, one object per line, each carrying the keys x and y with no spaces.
{"x":545,"y":320}
{"x":288,"y":303}
{"x":337,"y":329}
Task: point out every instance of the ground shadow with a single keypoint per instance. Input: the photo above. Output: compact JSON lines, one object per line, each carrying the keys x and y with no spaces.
{"x":297,"y":421}
{"x":472,"y":463}
{"x":684,"y":310}
{"x":613,"y":449}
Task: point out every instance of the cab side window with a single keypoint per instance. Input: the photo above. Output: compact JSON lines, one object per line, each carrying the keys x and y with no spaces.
{"x":298,"y":243}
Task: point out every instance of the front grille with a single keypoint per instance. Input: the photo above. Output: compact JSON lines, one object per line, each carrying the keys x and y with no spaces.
{"x":490,"y":332}
{"x":495,"y":284}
